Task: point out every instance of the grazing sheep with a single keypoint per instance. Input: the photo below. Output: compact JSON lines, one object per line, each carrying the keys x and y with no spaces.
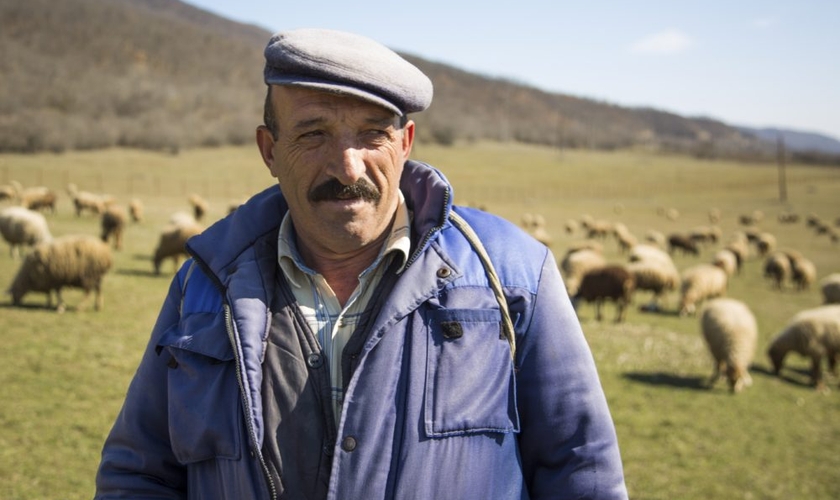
{"x":657,"y":238}
{"x":571,"y":226}
{"x":739,"y":245}
{"x":672,"y":214}
{"x":731,"y":334}
{"x":803,"y":272}
{"x":830,"y":287}
{"x":765,"y":243}
{"x":585,"y":245}
{"x":171,"y":244}
{"x":726,"y":260}
{"x":21,"y":226}
{"x":705,"y":234}
{"x":714,"y":215}
{"x":598,"y":229}
{"x":684,"y":243}
{"x":135,"y":210}
{"x":610,"y":282}
{"x":654,"y":271}
{"x":9,"y":191}
{"x":38,"y":198}
{"x":777,"y":268}
{"x":67,"y":261}
{"x":701,"y":282}
{"x":85,"y":201}
{"x":788,"y":218}
{"x":199,"y":206}
{"x":113,"y":224}
{"x":813,"y":333}
{"x":575,"y":264}
{"x":626,"y":240}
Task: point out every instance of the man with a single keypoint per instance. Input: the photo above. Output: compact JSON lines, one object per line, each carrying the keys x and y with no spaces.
{"x":353,"y":335}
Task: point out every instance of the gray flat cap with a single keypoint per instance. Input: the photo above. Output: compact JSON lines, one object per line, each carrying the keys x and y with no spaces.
{"x":344,"y":62}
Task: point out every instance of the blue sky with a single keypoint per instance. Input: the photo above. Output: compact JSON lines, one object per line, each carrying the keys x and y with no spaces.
{"x":745,"y":62}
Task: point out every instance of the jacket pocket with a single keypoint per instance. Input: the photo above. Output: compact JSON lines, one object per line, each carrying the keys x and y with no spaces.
{"x":469,"y":375}
{"x":205,"y":419}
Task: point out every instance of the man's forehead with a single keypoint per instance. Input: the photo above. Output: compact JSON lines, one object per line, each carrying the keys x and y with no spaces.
{"x":294,"y":101}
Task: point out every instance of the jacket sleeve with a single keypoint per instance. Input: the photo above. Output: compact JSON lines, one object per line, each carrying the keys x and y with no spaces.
{"x":137,"y":459}
{"x":568,"y":443}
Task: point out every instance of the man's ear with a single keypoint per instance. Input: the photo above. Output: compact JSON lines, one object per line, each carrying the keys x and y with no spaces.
{"x":265,"y":143}
{"x":408,"y":138}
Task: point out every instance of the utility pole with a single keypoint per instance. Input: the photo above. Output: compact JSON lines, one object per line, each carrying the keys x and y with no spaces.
{"x":780,"y":160}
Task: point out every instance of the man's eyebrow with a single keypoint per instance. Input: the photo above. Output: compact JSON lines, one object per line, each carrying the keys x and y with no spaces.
{"x":304,"y":124}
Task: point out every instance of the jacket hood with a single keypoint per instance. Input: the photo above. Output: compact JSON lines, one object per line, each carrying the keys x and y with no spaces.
{"x":427,"y":192}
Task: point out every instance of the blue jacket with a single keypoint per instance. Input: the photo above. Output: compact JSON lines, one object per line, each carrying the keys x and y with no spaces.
{"x":431,"y":416}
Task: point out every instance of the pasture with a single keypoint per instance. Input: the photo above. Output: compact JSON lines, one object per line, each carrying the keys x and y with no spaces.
{"x":63,"y":376}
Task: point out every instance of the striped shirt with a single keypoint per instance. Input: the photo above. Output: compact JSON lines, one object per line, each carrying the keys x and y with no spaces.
{"x":332,"y":324}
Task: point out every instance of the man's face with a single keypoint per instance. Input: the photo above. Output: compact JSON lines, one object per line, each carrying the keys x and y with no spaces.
{"x":338,"y":160}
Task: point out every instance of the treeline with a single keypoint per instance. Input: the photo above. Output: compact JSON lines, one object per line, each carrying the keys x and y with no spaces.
{"x":163,"y":75}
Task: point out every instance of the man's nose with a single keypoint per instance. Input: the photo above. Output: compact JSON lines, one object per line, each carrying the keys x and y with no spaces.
{"x":350,"y":165}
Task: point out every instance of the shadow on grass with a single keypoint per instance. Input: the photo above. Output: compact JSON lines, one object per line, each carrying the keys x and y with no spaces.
{"x":654,"y":309}
{"x":31,"y":306}
{"x":668,"y":379}
{"x":798,"y":376}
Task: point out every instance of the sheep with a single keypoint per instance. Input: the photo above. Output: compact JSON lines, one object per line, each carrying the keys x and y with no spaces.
{"x":765,"y":244}
{"x":626,"y":240}
{"x":654,"y":271}
{"x":571,"y":226}
{"x":684,"y":243}
{"x":714,"y":215}
{"x":199,"y":206}
{"x":657,"y":238}
{"x":705,"y":234}
{"x":9,"y":191}
{"x":739,"y":246}
{"x":576,"y":264}
{"x":726,"y":260}
{"x":113,"y":224}
{"x":172,"y":241}
{"x":21,"y":226}
{"x":803,"y":273}
{"x":813,"y":333}
{"x":731,"y":333}
{"x":83,"y":200}
{"x":788,"y":218}
{"x":598,"y":229}
{"x":135,"y":210}
{"x":612,"y":282}
{"x":700,"y":282}
{"x":585,"y":245}
{"x":38,"y":198}
{"x":830,"y":287}
{"x":777,"y":268}
{"x":78,"y":261}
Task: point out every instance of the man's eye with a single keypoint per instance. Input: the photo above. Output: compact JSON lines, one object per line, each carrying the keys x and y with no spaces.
{"x":312,"y":134}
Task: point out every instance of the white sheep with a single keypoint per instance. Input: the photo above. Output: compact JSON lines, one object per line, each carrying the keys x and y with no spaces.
{"x":765,"y":243}
{"x":701,"y":282}
{"x":654,"y":271}
{"x":813,"y":333}
{"x":656,"y":237}
{"x":78,"y":261}
{"x":731,"y":334}
{"x":135,"y":210}
{"x":830,"y":287}
{"x":803,"y":273}
{"x":726,"y":260}
{"x":777,"y":268}
{"x":172,"y":241}
{"x":575,"y":265}
{"x":21,"y":226}
{"x":86,"y":201}
{"x":199,"y":206}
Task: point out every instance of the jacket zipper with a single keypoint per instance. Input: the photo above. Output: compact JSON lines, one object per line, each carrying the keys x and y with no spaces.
{"x":430,"y":233}
{"x":249,"y":421}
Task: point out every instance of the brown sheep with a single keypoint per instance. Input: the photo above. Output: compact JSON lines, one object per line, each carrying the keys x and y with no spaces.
{"x":611,"y":282}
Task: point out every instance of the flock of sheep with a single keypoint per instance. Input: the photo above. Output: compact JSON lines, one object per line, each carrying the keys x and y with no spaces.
{"x":727,"y":324}
{"x":49,"y":264}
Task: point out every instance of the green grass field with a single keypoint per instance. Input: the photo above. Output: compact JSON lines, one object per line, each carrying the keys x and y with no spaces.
{"x":63,"y":376}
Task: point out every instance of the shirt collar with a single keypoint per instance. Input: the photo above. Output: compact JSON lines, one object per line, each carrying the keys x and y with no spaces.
{"x":398,"y":244}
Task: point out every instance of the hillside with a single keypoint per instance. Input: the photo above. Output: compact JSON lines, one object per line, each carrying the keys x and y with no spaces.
{"x":163,"y":75}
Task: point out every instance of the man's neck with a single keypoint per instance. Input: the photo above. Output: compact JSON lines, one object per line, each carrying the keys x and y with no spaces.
{"x":342,"y":270}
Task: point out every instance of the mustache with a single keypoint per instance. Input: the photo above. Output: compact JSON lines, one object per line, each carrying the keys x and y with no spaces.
{"x":333,"y":190}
